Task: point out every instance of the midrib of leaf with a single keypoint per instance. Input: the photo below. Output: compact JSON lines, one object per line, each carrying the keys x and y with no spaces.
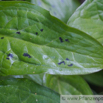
{"x":59,"y":29}
{"x":47,"y":45}
{"x":49,"y":22}
{"x":38,"y":45}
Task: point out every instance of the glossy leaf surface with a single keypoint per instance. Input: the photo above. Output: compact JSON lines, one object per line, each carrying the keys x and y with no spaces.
{"x":33,"y":42}
{"x":25,"y":91}
{"x":89,"y":18}
{"x":61,"y":9}
{"x":67,"y":85}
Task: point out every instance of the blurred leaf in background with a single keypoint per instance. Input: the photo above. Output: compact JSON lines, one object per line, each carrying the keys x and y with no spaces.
{"x":89,"y":19}
{"x":62,"y":9}
{"x":25,"y":91}
{"x":63,"y":84}
{"x":95,"y":78}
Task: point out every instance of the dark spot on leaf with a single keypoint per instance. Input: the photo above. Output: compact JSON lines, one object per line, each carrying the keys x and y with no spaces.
{"x":67,"y":40}
{"x":39,"y":3}
{"x":62,"y":1}
{"x":18,"y":32}
{"x":36,"y":33}
{"x":41,"y":30}
{"x":55,"y":13}
{"x":61,"y":63}
{"x":70,"y":65}
{"x":10,"y":55}
{"x":49,"y":8}
{"x":26,"y":55}
{"x":61,"y":40}
{"x":2,"y":37}
{"x":67,"y":59}
{"x":7,"y":58}
{"x":53,"y":6}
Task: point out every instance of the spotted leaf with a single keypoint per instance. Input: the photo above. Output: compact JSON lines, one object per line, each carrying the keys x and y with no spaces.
{"x":32,"y":36}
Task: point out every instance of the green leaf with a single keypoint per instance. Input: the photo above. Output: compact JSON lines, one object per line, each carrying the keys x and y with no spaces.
{"x":16,"y":0}
{"x":61,"y":9}
{"x":33,"y":41}
{"x":95,"y":78}
{"x":25,"y":91}
{"x":38,"y":78}
{"x":89,"y":18}
{"x":67,"y":85}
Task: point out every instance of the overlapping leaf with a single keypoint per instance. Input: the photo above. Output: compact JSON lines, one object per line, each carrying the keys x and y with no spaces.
{"x":64,"y":85}
{"x":95,"y":78}
{"x":89,"y":18}
{"x":61,"y":9}
{"x":32,"y":41}
{"x":25,"y":91}
{"x":67,"y":85}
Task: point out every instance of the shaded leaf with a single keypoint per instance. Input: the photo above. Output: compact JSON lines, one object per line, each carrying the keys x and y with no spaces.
{"x":95,"y":78}
{"x":61,"y":9}
{"x":33,"y":42}
{"x":16,"y":0}
{"x":67,"y":85}
{"x":89,"y":18}
{"x":25,"y":91}
{"x":38,"y":78}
